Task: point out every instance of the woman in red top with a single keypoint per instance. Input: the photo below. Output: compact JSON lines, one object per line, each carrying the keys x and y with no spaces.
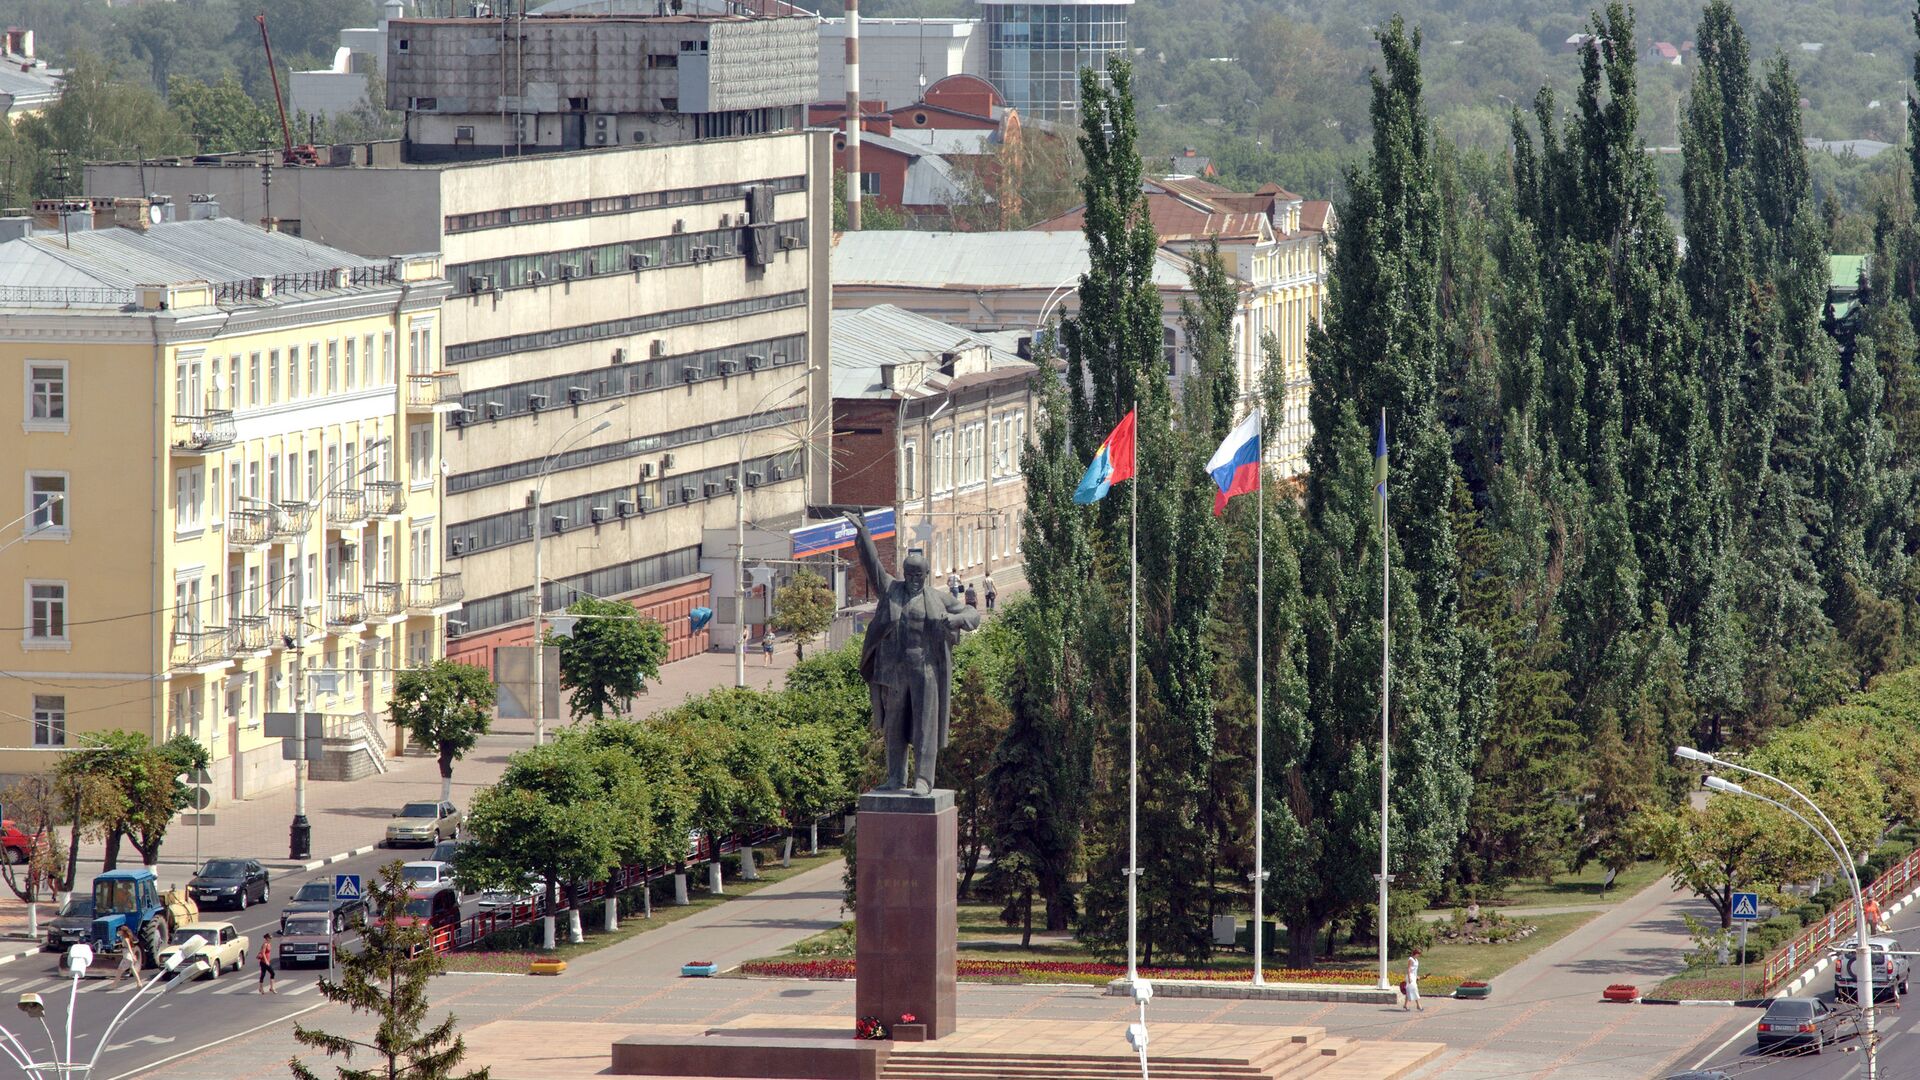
{"x":266,"y":965}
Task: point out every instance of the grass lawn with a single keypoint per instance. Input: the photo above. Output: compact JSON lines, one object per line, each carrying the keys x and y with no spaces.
{"x":982,"y":937}
{"x":515,"y":961}
{"x":1581,"y":888}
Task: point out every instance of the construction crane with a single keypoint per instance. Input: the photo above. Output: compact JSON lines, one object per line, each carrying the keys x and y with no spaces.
{"x":305,"y":153}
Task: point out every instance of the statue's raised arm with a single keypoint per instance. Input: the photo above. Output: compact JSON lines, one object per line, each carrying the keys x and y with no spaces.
{"x":863,"y":543}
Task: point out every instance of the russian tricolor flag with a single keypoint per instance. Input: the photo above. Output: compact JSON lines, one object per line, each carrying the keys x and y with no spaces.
{"x":1112,"y":463}
{"x":1235,"y":467}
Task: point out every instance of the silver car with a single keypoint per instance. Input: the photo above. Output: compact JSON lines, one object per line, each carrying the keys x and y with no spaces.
{"x":425,"y":823}
{"x":1890,"y":971}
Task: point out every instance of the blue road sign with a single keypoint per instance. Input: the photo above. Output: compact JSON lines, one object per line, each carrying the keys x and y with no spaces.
{"x":1746,"y":906}
{"x":346,"y":886}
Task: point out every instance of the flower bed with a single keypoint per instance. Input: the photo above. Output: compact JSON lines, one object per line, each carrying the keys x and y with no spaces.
{"x":1068,"y":971}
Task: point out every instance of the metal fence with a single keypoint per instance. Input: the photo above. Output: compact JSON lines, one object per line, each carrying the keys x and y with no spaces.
{"x":1814,"y":941}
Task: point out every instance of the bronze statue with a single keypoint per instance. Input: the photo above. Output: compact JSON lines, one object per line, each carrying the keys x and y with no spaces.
{"x":907,"y":661}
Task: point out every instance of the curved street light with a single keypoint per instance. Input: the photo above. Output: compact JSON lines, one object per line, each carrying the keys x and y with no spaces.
{"x":62,"y":1064}
{"x":1863,"y":949}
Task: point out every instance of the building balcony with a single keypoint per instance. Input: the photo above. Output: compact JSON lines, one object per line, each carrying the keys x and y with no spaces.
{"x":286,"y":521}
{"x":438,"y":392}
{"x":386,"y":600}
{"x":248,"y":529}
{"x":200,"y":648}
{"x":253,"y":634}
{"x":436,"y":595}
{"x":202,"y":434}
{"x":346,"y":507}
{"x":386,"y":498}
{"x":285,"y":621}
{"x":346,"y":610}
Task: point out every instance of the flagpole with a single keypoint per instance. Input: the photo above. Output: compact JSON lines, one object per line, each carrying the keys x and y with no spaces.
{"x":1385,"y":639}
{"x":1133,"y":726}
{"x":1260,"y":725}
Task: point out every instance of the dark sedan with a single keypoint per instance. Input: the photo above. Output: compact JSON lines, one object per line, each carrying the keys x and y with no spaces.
{"x":1797,"y":1022}
{"x":72,"y":926}
{"x":233,"y":883}
{"x":316,"y":897}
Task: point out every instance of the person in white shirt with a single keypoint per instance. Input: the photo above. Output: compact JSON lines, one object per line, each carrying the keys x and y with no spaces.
{"x":1411,"y":987}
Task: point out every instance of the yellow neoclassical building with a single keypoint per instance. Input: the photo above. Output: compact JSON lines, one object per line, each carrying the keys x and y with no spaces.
{"x":228,"y":449}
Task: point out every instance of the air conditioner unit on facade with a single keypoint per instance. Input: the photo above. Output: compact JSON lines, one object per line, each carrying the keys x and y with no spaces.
{"x":710,"y":489}
{"x":646,"y":470}
{"x":577,"y":394}
{"x":753,"y":479}
{"x":666,"y":461}
{"x":624,"y":507}
{"x":598,"y":514}
{"x":657,"y":348}
{"x":688,"y":494}
{"x":726,"y":367}
{"x":755,"y":361}
{"x":536,"y":402}
{"x":690,"y":373}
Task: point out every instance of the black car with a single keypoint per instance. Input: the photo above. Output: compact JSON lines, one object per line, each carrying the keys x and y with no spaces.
{"x":72,"y":925}
{"x":316,"y":896}
{"x":444,"y":851}
{"x":232,"y":883}
{"x":1797,"y":1021}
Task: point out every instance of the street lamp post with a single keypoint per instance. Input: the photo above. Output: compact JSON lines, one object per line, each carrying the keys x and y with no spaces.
{"x":61,"y":1063}
{"x":1863,"y":950}
{"x":539,"y":592}
{"x":740,"y":532}
{"x":300,"y":832}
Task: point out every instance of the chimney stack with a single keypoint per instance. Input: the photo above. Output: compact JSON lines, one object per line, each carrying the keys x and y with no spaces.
{"x":853,"y":115}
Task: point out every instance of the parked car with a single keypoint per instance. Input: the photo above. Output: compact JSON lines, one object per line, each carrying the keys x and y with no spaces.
{"x":433,"y":907}
{"x":18,"y":845}
{"x":317,"y":896}
{"x":427,"y":873}
{"x":306,"y":938}
{"x":225,"y":948}
{"x":1890,"y":971}
{"x":71,"y":926}
{"x":423,"y":823}
{"x":445,"y":850}
{"x":234,"y":883}
{"x":527,"y":896}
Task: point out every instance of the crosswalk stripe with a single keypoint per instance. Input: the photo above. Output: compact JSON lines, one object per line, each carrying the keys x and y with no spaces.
{"x":198,"y":986}
{"x":300,"y":989}
{"x":235,"y":988}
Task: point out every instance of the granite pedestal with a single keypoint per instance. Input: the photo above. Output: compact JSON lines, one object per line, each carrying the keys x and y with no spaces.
{"x":906,"y":925}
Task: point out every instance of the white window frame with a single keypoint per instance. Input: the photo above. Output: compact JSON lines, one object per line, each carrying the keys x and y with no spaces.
{"x":420,"y":460}
{"x":49,"y":720}
{"x":185,"y":522}
{"x":58,"y":527}
{"x":30,"y":398}
{"x":32,"y":640}
{"x":910,"y":470}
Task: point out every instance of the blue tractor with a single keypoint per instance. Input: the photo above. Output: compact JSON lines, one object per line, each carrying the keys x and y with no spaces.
{"x":129,"y":899}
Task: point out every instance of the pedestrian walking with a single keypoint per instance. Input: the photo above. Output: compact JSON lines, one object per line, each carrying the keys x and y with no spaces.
{"x":1876,"y":921}
{"x":129,"y":960}
{"x":953,"y":584}
{"x":973,"y":598}
{"x":266,"y":965}
{"x":1411,"y":987}
{"x":766,"y":647}
{"x":993,"y":594}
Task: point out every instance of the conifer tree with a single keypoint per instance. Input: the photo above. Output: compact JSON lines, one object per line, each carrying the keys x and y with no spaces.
{"x":387,"y":977}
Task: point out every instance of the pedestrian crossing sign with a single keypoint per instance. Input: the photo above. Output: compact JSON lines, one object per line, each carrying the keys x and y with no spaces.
{"x":346,"y":886}
{"x":1746,"y":906}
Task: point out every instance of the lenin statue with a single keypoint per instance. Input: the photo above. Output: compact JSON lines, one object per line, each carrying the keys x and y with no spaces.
{"x":907,"y":662}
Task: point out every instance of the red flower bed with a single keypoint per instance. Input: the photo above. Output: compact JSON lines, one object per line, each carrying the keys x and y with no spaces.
{"x":1056,"y":971}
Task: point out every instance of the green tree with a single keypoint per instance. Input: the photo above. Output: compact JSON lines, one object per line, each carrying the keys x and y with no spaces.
{"x":447,"y":705}
{"x":803,"y":610}
{"x":97,"y":117}
{"x":980,"y":722}
{"x":570,"y":812}
{"x":608,"y":657}
{"x":221,"y":117}
{"x":128,"y":789}
{"x":387,"y":977}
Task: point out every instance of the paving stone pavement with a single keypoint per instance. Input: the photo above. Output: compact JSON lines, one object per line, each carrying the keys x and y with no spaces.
{"x":1545,"y":1022}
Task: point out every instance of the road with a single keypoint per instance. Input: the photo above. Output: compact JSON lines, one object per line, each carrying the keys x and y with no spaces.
{"x":193,"y":1014}
{"x":1730,"y":1047}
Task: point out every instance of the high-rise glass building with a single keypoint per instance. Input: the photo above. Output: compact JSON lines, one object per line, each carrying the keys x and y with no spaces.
{"x":1035,"y":50}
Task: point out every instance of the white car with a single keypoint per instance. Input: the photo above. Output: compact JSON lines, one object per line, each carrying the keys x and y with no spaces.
{"x":529,"y":894}
{"x":427,"y":874}
{"x":225,"y":948}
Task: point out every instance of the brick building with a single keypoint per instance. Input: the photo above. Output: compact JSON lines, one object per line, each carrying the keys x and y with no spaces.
{"x":929,"y":420}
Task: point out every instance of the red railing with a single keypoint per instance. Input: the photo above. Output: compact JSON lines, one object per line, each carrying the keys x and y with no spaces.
{"x":1813,"y":941}
{"x":482,"y":925}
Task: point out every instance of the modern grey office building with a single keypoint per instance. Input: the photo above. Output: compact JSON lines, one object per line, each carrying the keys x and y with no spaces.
{"x":1035,"y":50}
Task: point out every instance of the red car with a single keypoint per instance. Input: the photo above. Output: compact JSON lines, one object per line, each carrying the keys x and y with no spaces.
{"x":18,"y":845}
{"x":432,"y":908}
